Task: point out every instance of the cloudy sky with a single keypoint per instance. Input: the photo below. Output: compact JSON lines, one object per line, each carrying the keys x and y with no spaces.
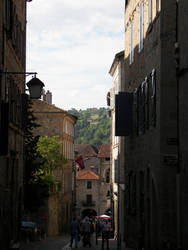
{"x":71,"y":44}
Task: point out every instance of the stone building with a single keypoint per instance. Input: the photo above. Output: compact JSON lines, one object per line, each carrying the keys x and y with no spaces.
{"x":89,"y":154}
{"x":54,"y":121}
{"x":154,"y":175}
{"x":93,"y":182}
{"x":12,"y":89}
{"x":104,"y":196}
{"x":182,"y":107}
{"x":87,"y":189}
{"x":117,"y":71}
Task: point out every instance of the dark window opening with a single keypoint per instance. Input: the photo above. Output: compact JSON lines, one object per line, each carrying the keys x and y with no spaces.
{"x":89,"y":185}
{"x":89,"y":199}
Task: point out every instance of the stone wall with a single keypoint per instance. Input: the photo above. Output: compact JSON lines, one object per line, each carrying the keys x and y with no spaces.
{"x":149,"y":153}
{"x":52,"y":123}
{"x":12,"y":59}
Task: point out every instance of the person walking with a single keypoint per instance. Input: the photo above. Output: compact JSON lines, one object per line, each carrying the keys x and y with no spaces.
{"x":74,"y":232}
{"x":97,"y":230}
{"x":86,"y":231}
{"x":105,"y":234}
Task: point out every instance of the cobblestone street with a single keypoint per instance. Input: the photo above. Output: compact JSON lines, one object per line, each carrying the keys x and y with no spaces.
{"x":54,"y":243}
{"x":62,"y":243}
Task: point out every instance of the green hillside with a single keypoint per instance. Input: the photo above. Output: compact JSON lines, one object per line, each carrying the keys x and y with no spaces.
{"x":92,"y":127}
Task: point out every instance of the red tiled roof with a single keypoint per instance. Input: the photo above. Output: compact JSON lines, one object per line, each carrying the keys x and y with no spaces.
{"x":87,"y":175}
{"x":104,"y":151}
{"x":86,"y":150}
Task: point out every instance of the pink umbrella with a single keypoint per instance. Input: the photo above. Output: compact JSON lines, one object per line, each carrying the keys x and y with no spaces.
{"x":104,"y":216}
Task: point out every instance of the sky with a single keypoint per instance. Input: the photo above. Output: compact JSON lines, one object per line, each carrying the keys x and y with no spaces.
{"x":71,"y":44}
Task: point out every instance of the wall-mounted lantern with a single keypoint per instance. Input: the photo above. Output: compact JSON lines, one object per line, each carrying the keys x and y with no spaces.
{"x":35,"y":85}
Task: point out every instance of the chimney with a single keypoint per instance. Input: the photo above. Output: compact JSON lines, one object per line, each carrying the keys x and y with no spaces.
{"x":44,"y":96}
{"x":49,"y":97}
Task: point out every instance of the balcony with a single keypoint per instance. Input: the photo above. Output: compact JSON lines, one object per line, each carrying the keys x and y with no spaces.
{"x":88,"y":204}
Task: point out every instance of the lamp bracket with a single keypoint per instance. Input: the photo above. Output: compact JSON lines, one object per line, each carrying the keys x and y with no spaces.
{"x":18,"y":73}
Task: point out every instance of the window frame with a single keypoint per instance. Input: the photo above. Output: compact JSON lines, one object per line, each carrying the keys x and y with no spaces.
{"x":89,"y":198}
{"x":141,"y":26}
{"x":149,"y":12}
{"x":131,"y":57}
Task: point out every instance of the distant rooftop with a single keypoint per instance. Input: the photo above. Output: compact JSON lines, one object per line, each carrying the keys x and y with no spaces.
{"x":104,"y":151}
{"x":87,"y":175}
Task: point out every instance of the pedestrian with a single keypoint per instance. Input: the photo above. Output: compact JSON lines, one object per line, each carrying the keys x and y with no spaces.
{"x":105,"y":234}
{"x":97,"y":230}
{"x":86,"y":231}
{"x":74,"y":232}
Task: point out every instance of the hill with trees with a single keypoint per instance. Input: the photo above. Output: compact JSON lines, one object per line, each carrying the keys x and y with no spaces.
{"x":92,"y":127}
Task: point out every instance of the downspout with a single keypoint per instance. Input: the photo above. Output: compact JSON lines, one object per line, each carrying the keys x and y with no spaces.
{"x":178,"y":174}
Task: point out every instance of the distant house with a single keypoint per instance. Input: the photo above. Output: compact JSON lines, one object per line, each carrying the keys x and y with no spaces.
{"x":87,"y":193}
{"x":54,"y":121}
{"x":93,"y":182}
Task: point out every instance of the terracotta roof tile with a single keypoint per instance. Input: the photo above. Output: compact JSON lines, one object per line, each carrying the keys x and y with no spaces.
{"x":104,"y":151}
{"x":86,"y":150}
{"x":87,"y":175}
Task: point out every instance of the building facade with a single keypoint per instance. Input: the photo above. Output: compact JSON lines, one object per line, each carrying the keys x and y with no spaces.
{"x":12,"y":89}
{"x":181,"y":78}
{"x":93,"y":182}
{"x":54,"y":121}
{"x":117,"y":71}
{"x":87,"y":193}
{"x":152,"y":152}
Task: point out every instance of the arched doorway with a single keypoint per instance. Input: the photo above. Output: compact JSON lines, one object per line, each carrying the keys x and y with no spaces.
{"x":89,"y":212}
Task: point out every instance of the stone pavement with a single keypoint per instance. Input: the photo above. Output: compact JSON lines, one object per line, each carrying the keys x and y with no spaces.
{"x":50,"y":243}
{"x":112,"y":245}
{"x":62,"y":243}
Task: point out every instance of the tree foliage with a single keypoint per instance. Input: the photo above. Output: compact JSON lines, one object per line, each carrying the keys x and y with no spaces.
{"x":49,"y":149}
{"x":34,"y":195}
{"x":92,"y":127}
{"x":38,"y":174}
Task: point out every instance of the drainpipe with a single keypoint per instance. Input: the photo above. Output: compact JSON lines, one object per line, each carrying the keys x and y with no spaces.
{"x":74,"y":199}
{"x":118,"y":210}
{"x":178,"y":174}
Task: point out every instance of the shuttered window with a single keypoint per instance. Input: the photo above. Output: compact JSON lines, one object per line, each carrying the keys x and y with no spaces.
{"x":141,"y":26}
{"x":131,"y":42}
{"x":149,"y":11}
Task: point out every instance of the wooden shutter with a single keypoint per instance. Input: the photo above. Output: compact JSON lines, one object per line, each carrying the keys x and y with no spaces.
{"x":123,"y":114}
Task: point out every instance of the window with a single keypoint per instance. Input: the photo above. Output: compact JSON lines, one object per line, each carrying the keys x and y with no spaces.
{"x":89,"y":199}
{"x":145,"y":104}
{"x":141,"y":26}
{"x":153,"y":98}
{"x":149,"y":11}
{"x":157,"y":6}
{"x":131,"y":42}
{"x":89,"y":185}
{"x":116,"y":176}
{"x":9,"y":15}
{"x":108,"y":176}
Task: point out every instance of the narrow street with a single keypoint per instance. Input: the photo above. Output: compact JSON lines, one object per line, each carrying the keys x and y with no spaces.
{"x":62,"y":243}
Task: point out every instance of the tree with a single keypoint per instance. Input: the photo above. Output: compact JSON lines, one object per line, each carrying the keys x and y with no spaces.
{"x":51,"y":158}
{"x":89,"y":122}
{"x":33,"y":194}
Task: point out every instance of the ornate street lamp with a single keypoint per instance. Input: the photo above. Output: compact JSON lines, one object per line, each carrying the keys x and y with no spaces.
{"x":35,"y":88}
{"x":35,"y":85}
